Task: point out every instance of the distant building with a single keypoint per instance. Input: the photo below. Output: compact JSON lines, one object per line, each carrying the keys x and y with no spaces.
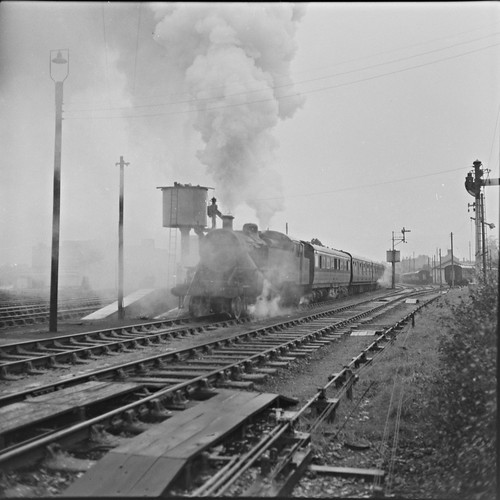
{"x":464,"y":270}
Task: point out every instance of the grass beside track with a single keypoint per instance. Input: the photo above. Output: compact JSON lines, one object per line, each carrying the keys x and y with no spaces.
{"x":427,"y":405}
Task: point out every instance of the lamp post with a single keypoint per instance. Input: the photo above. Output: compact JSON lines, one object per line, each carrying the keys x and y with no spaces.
{"x":59,"y":71}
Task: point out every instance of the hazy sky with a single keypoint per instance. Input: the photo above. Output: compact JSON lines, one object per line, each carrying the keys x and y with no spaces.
{"x":345,"y":120}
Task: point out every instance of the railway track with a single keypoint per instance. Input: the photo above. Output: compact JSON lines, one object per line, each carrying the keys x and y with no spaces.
{"x":127,"y":398}
{"x":30,"y":357}
{"x":31,"y":312}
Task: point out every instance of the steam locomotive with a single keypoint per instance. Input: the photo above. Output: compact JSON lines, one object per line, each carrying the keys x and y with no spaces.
{"x":237,"y":268}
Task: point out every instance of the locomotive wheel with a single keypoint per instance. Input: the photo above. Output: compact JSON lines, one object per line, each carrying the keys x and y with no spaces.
{"x":237,"y":307}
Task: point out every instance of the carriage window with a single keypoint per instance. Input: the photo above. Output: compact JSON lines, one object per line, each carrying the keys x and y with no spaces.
{"x":316,"y":258}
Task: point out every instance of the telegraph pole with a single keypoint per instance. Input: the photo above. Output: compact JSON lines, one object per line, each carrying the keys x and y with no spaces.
{"x":452,"y":263}
{"x":440,"y":272}
{"x":121,"y":314}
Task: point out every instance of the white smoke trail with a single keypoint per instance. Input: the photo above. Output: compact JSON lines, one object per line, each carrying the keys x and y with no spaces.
{"x":235,"y":60}
{"x":267,"y":305}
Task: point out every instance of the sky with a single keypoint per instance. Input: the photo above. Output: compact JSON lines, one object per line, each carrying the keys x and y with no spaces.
{"x":340,"y":121}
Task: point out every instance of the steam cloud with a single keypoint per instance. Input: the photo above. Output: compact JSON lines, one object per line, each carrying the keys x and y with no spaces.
{"x":267,"y":305}
{"x":234,"y":60}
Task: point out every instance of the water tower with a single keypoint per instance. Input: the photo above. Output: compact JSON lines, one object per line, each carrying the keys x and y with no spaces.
{"x":185,"y":208}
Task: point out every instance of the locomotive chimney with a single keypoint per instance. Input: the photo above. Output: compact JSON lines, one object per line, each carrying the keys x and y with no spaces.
{"x":227,"y":222}
{"x":250,"y":228}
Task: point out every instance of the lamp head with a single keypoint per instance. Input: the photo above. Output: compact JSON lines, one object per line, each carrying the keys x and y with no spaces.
{"x":59,"y":65}
{"x":59,"y":59}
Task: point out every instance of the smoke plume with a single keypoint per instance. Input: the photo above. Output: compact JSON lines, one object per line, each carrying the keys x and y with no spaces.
{"x":267,"y":304}
{"x":235,"y":63}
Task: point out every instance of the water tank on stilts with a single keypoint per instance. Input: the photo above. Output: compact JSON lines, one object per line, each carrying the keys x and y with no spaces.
{"x":185,"y":208}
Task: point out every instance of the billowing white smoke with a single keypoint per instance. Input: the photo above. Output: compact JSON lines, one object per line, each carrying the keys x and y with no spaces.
{"x":235,"y":60}
{"x":267,"y":304}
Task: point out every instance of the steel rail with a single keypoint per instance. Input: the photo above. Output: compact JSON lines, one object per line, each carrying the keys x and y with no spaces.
{"x":104,"y":344}
{"x":231,"y":475}
{"x":178,"y":354}
{"x":33,"y":448}
{"x":162,"y":323}
{"x":243,"y":463}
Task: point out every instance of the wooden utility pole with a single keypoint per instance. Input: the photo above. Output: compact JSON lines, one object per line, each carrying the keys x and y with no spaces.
{"x":452,"y":263}
{"x":440,"y":271}
{"x":121,"y":314}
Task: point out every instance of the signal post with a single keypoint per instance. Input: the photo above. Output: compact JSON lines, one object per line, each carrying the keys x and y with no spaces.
{"x":473,"y":184}
{"x":393,"y":256}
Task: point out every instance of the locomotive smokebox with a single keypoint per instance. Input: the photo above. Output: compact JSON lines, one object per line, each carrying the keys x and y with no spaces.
{"x":184,"y":206}
{"x":227,"y":222}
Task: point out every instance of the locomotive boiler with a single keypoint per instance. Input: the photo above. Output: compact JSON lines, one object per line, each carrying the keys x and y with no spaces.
{"x":236,"y":268}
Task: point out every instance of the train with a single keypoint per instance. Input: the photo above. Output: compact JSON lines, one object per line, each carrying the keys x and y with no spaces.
{"x":422,"y":277}
{"x":239,"y":267}
{"x":459,"y":275}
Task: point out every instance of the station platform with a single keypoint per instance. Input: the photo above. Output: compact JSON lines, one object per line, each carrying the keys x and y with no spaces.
{"x":141,"y":301}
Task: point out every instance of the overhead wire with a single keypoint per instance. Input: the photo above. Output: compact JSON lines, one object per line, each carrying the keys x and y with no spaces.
{"x":494,"y":136}
{"x":295,"y":94}
{"x":385,"y":437}
{"x":293,"y":84}
{"x":371,"y":56}
{"x":136,"y":47}
{"x":350,"y":188}
{"x":106,"y":69}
